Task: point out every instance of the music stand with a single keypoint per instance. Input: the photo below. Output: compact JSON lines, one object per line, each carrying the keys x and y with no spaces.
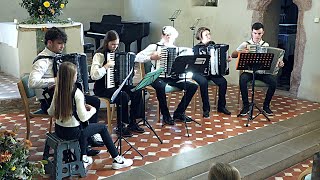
{"x":148,"y":79}
{"x":194,"y":64}
{"x":193,"y":29}
{"x":174,"y":16}
{"x":120,"y":137}
{"x":254,"y":62}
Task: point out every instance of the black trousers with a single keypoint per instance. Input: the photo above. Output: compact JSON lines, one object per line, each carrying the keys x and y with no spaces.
{"x":220,"y":81}
{"x":122,"y":100}
{"x":160,"y":84}
{"x":82,"y":134}
{"x":91,"y":100}
{"x":269,"y":79}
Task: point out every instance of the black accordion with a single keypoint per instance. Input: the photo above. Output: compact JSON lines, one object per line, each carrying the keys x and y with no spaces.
{"x":168,"y":56}
{"x":58,"y":59}
{"x":124,"y":63}
{"x":219,"y":64}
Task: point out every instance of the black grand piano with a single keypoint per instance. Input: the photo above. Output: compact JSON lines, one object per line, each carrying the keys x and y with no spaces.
{"x":128,"y":31}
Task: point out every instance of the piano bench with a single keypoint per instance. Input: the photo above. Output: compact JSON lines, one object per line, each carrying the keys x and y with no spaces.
{"x":87,"y":48}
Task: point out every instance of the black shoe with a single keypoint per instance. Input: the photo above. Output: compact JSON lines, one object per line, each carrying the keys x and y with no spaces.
{"x":267,"y":110}
{"x":224,"y":111}
{"x":168,"y":120}
{"x":125,"y":132}
{"x":94,"y":143}
{"x":92,"y":152}
{"x":244,"y":110}
{"x":206,"y":113}
{"x":135,"y":128}
{"x":182,"y":118}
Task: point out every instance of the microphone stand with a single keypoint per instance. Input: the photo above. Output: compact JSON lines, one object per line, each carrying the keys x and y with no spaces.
{"x":193,"y":29}
{"x":174,"y":16}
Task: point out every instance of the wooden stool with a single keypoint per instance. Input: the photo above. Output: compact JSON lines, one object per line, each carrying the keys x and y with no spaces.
{"x":66,"y":158}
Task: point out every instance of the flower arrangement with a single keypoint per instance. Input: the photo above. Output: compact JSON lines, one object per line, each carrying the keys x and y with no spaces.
{"x":43,"y":11}
{"x":14,"y":154}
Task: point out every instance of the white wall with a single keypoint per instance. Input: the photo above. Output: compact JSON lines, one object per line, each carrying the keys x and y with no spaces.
{"x":310,"y":80}
{"x":224,"y":21}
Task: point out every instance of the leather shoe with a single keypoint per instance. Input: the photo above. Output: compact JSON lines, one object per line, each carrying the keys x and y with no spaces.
{"x":168,"y":120}
{"x":181,"y":118}
{"x":92,"y":152}
{"x":94,"y":143}
{"x":224,"y":111}
{"x":206,"y":114}
{"x":135,"y":128}
{"x":125,"y":132}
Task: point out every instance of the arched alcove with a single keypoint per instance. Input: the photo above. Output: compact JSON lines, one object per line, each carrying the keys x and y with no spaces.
{"x":259,"y":8}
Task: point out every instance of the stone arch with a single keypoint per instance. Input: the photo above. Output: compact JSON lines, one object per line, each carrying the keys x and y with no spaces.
{"x":259,"y":8}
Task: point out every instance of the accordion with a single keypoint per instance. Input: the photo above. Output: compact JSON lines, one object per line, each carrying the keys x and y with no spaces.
{"x":58,"y":59}
{"x":218,"y":60}
{"x":168,"y":56}
{"x":124,"y":62}
{"x":278,"y":56}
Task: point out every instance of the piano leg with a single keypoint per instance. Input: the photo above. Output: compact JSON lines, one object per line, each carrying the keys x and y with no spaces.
{"x":127,"y":47}
{"x":139,"y":42}
{"x":97,"y":42}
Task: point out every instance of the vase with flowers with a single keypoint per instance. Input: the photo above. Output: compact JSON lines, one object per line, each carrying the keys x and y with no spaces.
{"x":44,"y":11}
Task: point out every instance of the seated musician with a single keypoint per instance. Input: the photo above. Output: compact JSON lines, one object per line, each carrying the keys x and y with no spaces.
{"x":42,"y":76}
{"x":68,"y":107}
{"x":257,"y":31}
{"x":99,"y":68}
{"x":204,"y":36}
{"x":151,"y":53}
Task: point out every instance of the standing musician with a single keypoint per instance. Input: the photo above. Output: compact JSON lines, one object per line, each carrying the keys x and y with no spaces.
{"x":42,"y":76}
{"x":257,"y":31}
{"x":204,"y":36}
{"x":100,"y":66}
{"x":151,"y":53}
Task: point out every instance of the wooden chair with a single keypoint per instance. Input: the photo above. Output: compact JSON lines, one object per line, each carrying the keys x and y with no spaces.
{"x":26,"y":93}
{"x":110,"y":111}
{"x":305,"y":173}
{"x":146,"y":68}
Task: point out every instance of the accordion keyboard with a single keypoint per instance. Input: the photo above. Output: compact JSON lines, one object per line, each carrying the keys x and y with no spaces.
{"x":110,"y":73}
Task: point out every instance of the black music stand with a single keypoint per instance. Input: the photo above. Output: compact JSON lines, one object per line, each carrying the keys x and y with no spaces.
{"x":193,"y":29}
{"x":174,"y":16}
{"x":254,"y":62}
{"x":119,"y":119}
{"x":148,"y":79}
{"x":194,"y":64}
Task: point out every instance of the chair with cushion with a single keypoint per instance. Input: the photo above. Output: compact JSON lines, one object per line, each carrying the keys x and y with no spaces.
{"x":26,"y":94}
{"x":146,"y":68}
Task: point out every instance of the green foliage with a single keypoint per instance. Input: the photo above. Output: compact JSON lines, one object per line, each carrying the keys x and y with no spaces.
{"x":14,"y":155}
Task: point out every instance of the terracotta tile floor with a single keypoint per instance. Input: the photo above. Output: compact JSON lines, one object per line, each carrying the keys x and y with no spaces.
{"x":175,"y":140}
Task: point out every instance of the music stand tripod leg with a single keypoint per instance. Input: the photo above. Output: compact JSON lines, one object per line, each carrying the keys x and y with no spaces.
{"x":144,"y":119}
{"x":185,"y":103}
{"x":120,"y":137}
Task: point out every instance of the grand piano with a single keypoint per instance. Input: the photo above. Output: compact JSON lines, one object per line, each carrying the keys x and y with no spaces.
{"x":128,"y":31}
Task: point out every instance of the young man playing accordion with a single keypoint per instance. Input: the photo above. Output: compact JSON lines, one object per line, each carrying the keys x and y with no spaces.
{"x":204,"y":36}
{"x":152,"y":53}
{"x":257,"y":31}
{"x":42,"y":76}
{"x":101,"y":65}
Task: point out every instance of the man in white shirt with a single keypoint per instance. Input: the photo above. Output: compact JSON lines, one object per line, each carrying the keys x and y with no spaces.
{"x":151,"y":53}
{"x":245,"y":77}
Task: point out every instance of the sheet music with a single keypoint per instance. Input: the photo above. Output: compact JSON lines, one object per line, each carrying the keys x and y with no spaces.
{"x":115,"y":94}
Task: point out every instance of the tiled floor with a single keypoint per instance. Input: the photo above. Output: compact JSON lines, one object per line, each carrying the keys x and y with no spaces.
{"x":175,"y":139}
